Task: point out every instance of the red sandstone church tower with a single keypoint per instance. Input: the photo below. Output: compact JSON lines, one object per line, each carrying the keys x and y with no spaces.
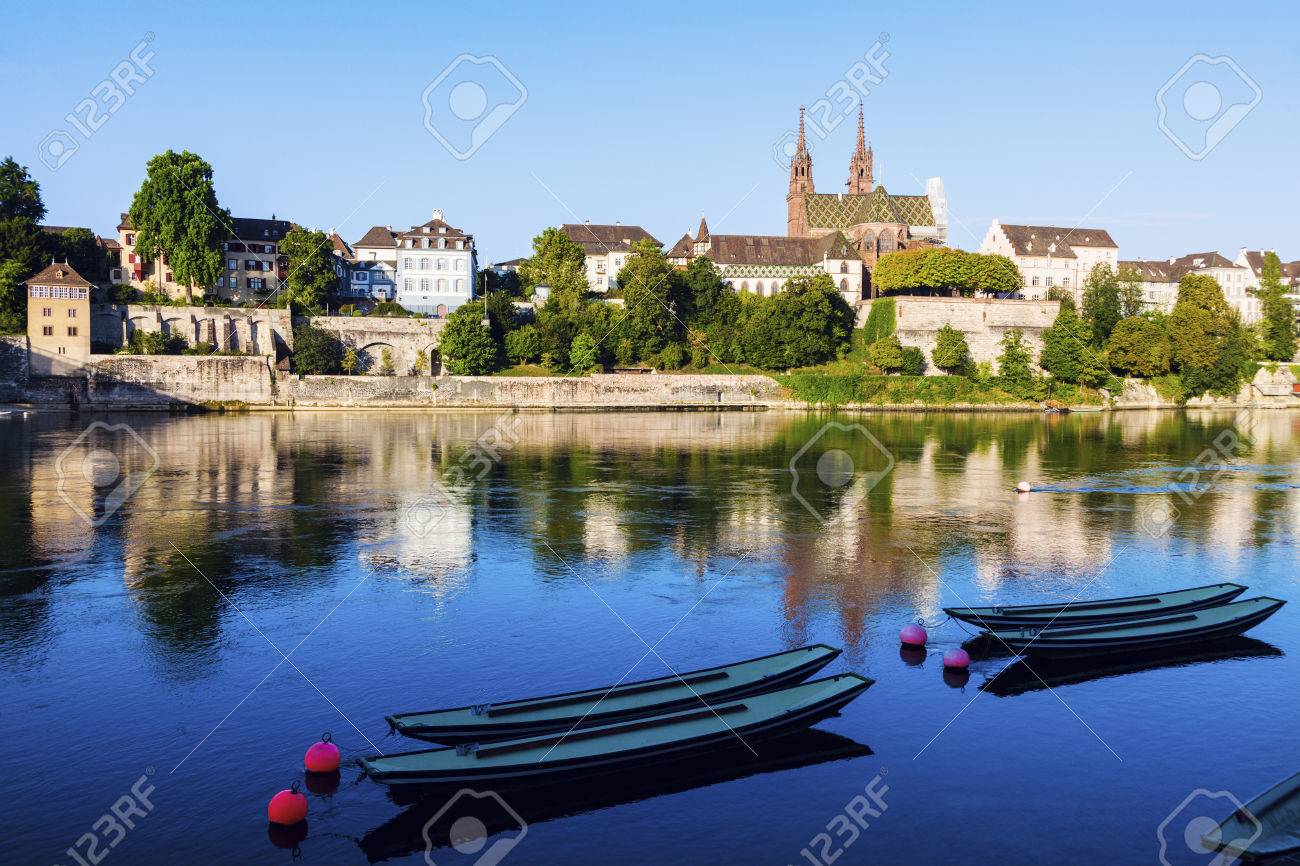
{"x":801,"y":186}
{"x":860,"y":180}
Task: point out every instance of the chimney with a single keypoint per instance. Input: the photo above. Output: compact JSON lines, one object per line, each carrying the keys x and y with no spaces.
{"x":437,"y":213}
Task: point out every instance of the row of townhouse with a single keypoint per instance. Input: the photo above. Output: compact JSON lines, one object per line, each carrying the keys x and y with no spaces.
{"x":431,"y":268}
{"x":254,"y":268}
{"x":1052,"y":257}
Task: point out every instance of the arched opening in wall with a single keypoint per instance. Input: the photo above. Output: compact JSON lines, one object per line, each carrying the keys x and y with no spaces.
{"x":844,"y":285}
{"x":442,"y":311}
{"x":176,"y":327}
{"x":758,"y":287}
{"x":432,"y":359}
{"x":205,"y":331}
{"x":371,"y":360}
{"x":744,"y":285}
{"x":844,"y":267}
{"x":868,"y":244}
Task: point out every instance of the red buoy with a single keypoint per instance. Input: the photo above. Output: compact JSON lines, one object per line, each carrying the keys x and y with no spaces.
{"x":957,"y":659}
{"x":913,"y":635}
{"x":287,"y":807}
{"x":322,"y":757}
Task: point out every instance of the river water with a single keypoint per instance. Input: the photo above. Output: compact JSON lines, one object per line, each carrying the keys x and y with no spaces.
{"x":407,"y":561}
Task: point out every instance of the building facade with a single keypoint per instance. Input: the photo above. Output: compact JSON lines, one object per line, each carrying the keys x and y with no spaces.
{"x":58,"y":321}
{"x":437,"y":267}
{"x":874,"y":220}
{"x":1050,"y":257}
{"x":254,"y":268}
{"x":607,"y":248}
{"x":1160,"y":281}
{"x":763,"y":264}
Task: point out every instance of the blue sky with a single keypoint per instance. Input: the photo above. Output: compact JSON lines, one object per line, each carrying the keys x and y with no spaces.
{"x":657,"y":113}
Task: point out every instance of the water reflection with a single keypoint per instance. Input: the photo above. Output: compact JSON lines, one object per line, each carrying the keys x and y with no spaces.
{"x":270,"y":502}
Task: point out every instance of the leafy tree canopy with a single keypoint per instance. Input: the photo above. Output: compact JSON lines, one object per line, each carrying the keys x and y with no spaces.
{"x":466,"y":345}
{"x":310,"y":278}
{"x":175,"y":212}
{"x":20,"y":196}
{"x":316,"y":351}
{"x":1140,"y":346}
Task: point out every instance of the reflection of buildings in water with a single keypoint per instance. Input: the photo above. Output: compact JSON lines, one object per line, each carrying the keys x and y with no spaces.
{"x":427,"y":536}
{"x":1227,"y":514}
{"x":602,"y":535}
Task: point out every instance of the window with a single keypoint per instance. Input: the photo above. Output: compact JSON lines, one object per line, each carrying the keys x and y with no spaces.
{"x":1035,"y":281}
{"x":442,"y":284}
{"x":221,"y":282}
{"x":267,"y":248}
{"x":256,"y":283}
{"x":47,"y":311}
{"x":408,"y":284}
{"x":231,"y":264}
{"x":359,"y":277}
{"x":1065,"y":281}
{"x":460,"y":287}
{"x":130,"y":240}
{"x":234,"y":282}
{"x":442,"y":243}
{"x":440,"y":264}
{"x":72,"y":332}
{"x":758,"y":287}
{"x":460,"y":264}
{"x":47,"y":330}
{"x":1050,"y":280}
{"x":424,"y":284}
{"x":844,"y":267}
{"x":618,"y":263}
{"x":168,"y":277}
{"x":600,"y":281}
{"x":62,"y":351}
{"x":424,"y":264}
{"x":408,"y":264}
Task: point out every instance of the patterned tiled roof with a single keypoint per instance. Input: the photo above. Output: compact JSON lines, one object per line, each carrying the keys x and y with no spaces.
{"x":727,"y":250}
{"x":781,"y":271}
{"x":840,"y":211}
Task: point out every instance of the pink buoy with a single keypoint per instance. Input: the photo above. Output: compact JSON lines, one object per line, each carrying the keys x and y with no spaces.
{"x":322,"y":757}
{"x":287,"y":807}
{"x":956,"y":658}
{"x":913,"y":635}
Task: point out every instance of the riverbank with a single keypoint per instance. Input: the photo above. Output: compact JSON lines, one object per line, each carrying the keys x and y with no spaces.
{"x":251,"y":383}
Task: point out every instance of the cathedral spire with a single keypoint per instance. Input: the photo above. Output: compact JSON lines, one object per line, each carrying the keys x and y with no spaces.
{"x":801,"y":185}
{"x":860,"y":179}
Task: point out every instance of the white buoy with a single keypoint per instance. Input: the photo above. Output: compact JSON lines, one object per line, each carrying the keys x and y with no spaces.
{"x":1023,"y":487}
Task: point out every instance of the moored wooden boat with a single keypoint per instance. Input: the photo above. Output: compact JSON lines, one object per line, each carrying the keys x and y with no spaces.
{"x":622,"y":743}
{"x":1266,"y":827}
{"x":1226,"y":620}
{"x":591,"y":707}
{"x":1063,"y":614}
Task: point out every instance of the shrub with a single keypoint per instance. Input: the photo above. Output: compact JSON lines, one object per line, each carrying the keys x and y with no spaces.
{"x":1139,"y":346}
{"x":886,"y":354}
{"x":671,"y":357}
{"x":582,"y":354}
{"x":913,"y":361}
{"x":316,"y":351}
{"x":523,"y":344}
{"x":951,"y":351}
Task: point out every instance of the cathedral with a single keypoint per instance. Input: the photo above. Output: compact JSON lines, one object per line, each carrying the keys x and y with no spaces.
{"x":840,"y":234}
{"x":875,"y":220}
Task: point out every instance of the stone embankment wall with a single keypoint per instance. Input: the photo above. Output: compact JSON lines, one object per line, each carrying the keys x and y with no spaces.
{"x":13,"y":367}
{"x":255,"y":331}
{"x":982,"y":320}
{"x":139,"y":380}
{"x":614,"y":391}
{"x":355,"y":391}
{"x":370,"y":335}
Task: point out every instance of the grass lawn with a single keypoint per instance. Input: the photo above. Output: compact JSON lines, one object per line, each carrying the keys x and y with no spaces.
{"x":526,"y":370}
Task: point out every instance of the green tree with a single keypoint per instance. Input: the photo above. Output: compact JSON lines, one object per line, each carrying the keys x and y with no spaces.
{"x":386,"y":367}
{"x":1201,"y":326}
{"x":705,"y":292}
{"x":1066,"y":347}
{"x":582,"y":354}
{"x":13,"y":297}
{"x":1277,"y":331}
{"x":1139,"y":346}
{"x":899,"y":271}
{"x":651,"y":287}
{"x":421,"y":365}
{"x":807,"y":322}
{"x":995,"y":274}
{"x":951,"y":351}
{"x":350,"y":360}
{"x":80,"y":248}
{"x":316,"y":352}
{"x":20,"y":196}
{"x":466,"y":346}
{"x":557,"y":262}
{"x":175,"y":213}
{"x":1102,"y":303}
{"x":886,"y":354}
{"x":311,"y":278}
{"x":524,"y":344}
{"x":21,"y":211}
{"x":1130,"y":292}
{"x":1015,"y":371}
{"x":913,"y":361}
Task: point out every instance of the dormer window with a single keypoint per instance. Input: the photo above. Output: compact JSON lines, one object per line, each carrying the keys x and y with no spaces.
{"x":442,"y":230}
{"x":425,"y":229}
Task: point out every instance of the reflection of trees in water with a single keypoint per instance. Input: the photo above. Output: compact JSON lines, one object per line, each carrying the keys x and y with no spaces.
{"x":277,"y":499}
{"x":25,"y":569}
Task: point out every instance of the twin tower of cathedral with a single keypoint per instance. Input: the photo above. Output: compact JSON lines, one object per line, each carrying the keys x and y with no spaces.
{"x":873,"y":219}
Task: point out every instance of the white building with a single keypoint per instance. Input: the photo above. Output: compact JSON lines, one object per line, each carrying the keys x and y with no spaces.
{"x":1160,"y":281}
{"x":764,"y":263}
{"x":1050,"y":257}
{"x":607,"y":248}
{"x":437,"y":267}
{"x":379,"y":244}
